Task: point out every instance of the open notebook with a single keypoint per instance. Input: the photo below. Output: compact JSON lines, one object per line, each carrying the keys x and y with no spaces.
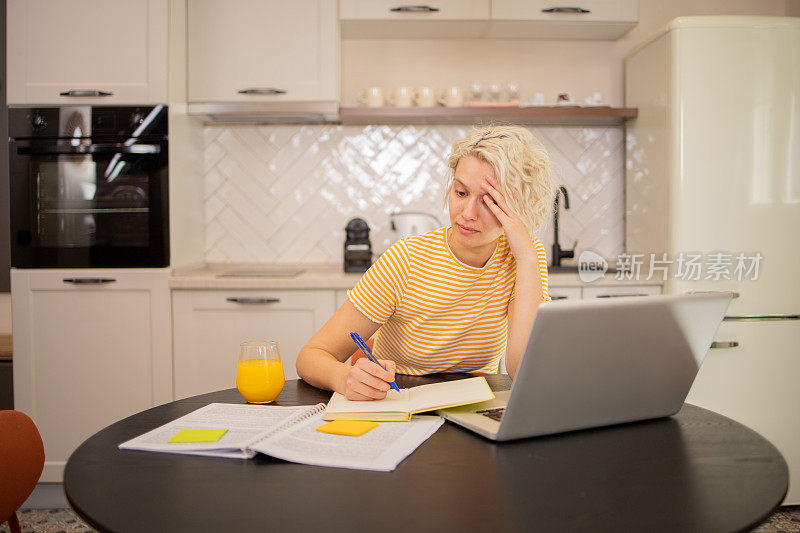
{"x":288,"y":433}
{"x":398,"y":406}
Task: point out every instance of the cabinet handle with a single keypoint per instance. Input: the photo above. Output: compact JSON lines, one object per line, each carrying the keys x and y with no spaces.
{"x":254,"y":301}
{"x":619,"y":295}
{"x":89,"y":281}
{"x":578,"y":10}
{"x":85,"y":92}
{"x":414,"y":9}
{"x":97,"y":148}
{"x":733,"y":294}
{"x":554,"y":298}
{"x":760,"y":318}
{"x":724,"y":344}
{"x":267,"y":90}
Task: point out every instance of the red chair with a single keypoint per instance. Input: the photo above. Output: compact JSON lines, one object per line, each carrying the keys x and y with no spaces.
{"x":21,"y":463}
{"x":358,"y":354}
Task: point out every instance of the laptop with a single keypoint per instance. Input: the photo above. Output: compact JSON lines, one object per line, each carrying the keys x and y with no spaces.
{"x":593,"y":363}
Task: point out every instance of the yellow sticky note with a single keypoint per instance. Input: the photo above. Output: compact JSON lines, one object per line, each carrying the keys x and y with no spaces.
{"x":352,"y":428}
{"x":198,"y":435}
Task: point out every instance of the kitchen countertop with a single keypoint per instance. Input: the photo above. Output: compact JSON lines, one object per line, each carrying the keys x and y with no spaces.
{"x":327,"y":277}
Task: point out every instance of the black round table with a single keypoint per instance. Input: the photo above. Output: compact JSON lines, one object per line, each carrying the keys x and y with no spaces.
{"x":695,"y":471}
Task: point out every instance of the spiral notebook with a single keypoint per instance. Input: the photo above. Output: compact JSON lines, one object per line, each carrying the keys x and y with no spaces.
{"x":287,"y":433}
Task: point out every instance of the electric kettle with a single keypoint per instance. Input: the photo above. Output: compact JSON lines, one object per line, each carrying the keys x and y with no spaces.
{"x":409,"y":223}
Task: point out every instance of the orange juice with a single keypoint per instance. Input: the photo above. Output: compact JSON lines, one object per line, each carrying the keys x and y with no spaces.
{"x":259,"y":380}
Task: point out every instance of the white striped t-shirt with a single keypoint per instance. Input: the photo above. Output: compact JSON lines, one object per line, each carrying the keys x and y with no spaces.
{"x":436,"y":313}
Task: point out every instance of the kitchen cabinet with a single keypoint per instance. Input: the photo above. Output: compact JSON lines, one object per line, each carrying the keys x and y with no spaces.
{"x":498,"y":19}
{"x":544,"y":19}
{"x":91,"y":346}
{"x":341,"y":297}
{"x":613,"y":291}
{"x":209,"y":325}
{"x":87,"y":52}
{"x":558,"y":294}
{"x":390,"y":19}
{"x":262,"y":51}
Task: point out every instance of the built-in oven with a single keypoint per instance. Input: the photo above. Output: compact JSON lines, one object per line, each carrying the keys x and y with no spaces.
{"x":89,"y":186}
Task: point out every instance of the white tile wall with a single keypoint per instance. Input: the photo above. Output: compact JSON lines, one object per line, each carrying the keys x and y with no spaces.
{"x":283,"y":193}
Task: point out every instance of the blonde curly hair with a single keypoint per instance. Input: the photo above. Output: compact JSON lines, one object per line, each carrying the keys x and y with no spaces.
{"x":521,"y":166}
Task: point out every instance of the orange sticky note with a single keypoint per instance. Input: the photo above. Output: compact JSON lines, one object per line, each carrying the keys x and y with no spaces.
{"x":351,"y":428}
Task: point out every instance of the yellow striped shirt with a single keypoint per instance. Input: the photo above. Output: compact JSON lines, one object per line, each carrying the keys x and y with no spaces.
{"x":436,"y":313}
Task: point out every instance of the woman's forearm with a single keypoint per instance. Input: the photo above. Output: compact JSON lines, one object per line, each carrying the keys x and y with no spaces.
{"x":321,"y":369}
{"x":522,"y":313}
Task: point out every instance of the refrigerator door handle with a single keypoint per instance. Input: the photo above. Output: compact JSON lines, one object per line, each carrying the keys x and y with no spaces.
{"x":759,"y":318}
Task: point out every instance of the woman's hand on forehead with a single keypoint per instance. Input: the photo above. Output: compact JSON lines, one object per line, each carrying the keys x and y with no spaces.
{"x":517,"y":234}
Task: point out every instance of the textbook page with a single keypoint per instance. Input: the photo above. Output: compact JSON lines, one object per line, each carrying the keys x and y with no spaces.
{"x":449,"y":394}
{"x":245,"y":423}
{"x":394,"y":402}
{"x":381,"y":449}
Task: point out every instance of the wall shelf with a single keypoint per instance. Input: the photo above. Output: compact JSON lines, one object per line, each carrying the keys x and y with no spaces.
{"x":541,"y":116}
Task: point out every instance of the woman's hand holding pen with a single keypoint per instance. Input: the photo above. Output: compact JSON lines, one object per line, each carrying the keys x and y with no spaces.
{"x":517,"y":234}
{"x":368,"y":381}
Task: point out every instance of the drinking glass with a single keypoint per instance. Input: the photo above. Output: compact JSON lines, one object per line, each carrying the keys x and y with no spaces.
{"x":259,"y":374}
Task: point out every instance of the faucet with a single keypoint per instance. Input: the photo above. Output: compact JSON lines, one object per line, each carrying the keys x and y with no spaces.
{"x":558,"y":253}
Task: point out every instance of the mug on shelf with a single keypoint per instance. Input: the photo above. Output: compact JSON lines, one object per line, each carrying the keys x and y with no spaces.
{"x":372,"y":97}
{"x":452,"y":97}
{"x":425,"y":97}
{"x":402,"y":97}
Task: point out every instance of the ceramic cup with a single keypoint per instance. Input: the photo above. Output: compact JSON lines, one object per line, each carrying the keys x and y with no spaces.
{"x":425,"y":97}
{"x":452,"y":97}
{"x":495,"y":92}
{"x":372,"y":97}
{"x":476,"y":91}
{"x":402,"y":97}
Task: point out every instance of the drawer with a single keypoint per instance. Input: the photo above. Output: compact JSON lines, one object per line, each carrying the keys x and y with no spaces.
{"x":558,"y":294}
{"x":202,"y":300}
{"x":621,"y":290}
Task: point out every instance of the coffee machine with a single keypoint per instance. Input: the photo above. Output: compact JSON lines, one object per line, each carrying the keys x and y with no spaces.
{"x":357,"y":248}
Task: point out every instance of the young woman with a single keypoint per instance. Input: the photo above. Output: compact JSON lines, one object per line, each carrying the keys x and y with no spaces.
{"x":454,"y":299}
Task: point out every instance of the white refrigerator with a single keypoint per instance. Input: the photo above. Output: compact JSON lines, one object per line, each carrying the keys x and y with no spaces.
{"x":713,"y":182}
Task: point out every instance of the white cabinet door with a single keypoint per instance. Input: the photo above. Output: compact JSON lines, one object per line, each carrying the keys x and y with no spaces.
{"x":261,"y":47}
{"x":341,"y":298}
{"x":112,"y":46}
{"x":209,"y":325}
{"x":390,"y":19}
{"x":544,"y":19}
{"x":88,"y":354}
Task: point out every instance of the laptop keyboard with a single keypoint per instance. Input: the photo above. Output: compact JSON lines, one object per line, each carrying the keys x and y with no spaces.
{"x":494,"y":414}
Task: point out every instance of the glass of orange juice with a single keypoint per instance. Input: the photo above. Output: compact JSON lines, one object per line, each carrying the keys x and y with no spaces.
{"x":259,"y":375}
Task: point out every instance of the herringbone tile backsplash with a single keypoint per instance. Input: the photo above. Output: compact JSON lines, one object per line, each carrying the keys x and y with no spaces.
{"x":284,"y":193}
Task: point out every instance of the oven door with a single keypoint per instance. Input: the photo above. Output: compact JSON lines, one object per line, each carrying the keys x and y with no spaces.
{"x":89,"y":203}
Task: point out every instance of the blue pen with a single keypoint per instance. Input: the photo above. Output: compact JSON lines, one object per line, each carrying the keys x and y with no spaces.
{"x":364,"y":348}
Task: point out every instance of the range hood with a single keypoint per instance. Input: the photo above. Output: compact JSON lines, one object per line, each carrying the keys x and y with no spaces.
{"x":266,"y":112}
